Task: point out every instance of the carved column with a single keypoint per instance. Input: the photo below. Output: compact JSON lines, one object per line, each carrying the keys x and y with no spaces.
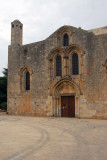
{"x":54,"y":107}
{"x":66,"y":66}
{"x":57,"y":107}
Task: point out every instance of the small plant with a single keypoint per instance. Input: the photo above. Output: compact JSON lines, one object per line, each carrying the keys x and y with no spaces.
{"x":3,"y":106}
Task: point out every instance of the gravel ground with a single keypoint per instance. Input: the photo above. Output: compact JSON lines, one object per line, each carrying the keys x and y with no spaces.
{"x":37,"y":138}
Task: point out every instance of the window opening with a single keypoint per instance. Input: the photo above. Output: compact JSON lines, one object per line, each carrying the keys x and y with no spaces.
{"x":25,"y":52}
{"x":75,"y":67}
{"x":58,"y":66}
{"x":66,"y":40}
{"x":27,"y":81}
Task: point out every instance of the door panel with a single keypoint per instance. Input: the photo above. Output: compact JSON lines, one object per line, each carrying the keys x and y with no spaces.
{"x":64,"y":106}
{"x":68,"y":106}
{"x":71,"y":106}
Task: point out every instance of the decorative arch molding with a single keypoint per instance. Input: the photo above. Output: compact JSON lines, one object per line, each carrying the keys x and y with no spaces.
{"x":64,"y":82}
{"x":52,"y":61}
{"x":25,"y":68}
{"x":66,"y":55}
{"x":73,"y":48}
{"x":59,"y":51}
{"x":22,"y":74}
{"x":62,"y":31}
{"x":65,"y":87}
{"x":69,"y":51}
{"x":56,"y":51}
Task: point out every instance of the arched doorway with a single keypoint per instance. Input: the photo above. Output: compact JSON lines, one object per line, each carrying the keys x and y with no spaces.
{"x":66,"y":99}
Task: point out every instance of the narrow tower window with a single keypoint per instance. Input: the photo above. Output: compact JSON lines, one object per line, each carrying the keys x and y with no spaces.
{"x":66,"y":40}
{"x":27,"y":81}
{"x":25,"y":52}
{"x":58,"y":66}
{"x":75,"y":67}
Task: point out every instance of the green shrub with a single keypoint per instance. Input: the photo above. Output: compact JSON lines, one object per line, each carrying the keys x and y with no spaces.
{"x":3,"y":106}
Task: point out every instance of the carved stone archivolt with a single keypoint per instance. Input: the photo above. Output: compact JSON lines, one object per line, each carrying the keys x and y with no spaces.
{"x":22,"y":74}
{"x":65,"y":30}
{"x":64,"y":87}
{"x":65,"y":82}
{"x":66,"y":55}
{"x":25,"y":68}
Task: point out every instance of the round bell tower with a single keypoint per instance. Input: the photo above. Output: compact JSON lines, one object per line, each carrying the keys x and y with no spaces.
{"x":16,"y":32}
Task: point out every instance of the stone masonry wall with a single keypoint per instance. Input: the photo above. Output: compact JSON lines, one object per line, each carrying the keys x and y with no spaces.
{"x":98,"y":31}
{"x":38,"y":101}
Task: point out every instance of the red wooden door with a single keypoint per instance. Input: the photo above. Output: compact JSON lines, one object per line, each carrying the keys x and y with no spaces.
{"x":68,"y":106}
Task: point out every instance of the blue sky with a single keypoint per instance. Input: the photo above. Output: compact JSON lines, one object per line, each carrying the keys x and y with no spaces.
{"x":42,"y":17}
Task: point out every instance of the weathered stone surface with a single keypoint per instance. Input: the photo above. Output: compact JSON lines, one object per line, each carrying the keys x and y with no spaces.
{"x":46,"y":89}
{"x":99,"y":31}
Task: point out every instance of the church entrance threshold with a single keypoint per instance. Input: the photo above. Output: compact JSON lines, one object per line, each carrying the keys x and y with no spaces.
{"x":68,"y":106}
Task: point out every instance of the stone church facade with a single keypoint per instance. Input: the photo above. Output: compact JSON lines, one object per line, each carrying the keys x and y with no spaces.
{"x":64,"y":75}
